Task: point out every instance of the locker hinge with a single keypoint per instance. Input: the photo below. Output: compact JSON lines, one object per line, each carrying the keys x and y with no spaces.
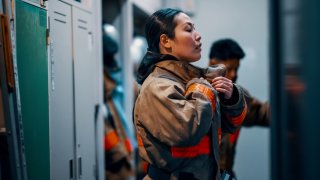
{"x":48,"y":37}
{"x":48,"y":33}
{"x":43,"y":3}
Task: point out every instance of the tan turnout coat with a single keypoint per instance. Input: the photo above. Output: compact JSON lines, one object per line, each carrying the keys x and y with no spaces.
{"x":177,"y":119}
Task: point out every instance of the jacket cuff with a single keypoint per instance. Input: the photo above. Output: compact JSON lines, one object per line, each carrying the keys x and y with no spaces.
{"x":237,"y":110}
{"x":234,"y":97}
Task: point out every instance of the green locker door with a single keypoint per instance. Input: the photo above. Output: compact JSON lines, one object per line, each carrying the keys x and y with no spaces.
{"x":32,"y":65}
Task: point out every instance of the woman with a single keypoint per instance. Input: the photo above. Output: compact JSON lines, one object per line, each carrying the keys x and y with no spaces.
{"x":176,"y":113}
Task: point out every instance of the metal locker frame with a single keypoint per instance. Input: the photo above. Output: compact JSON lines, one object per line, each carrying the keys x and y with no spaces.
{"x":98,"y":76}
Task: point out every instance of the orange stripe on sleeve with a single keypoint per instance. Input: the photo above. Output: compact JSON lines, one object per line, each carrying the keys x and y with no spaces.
{"x":110,"y":140}
{"x":128,"y":145}
{"x":204,"y":90}
{"x":234,"y":137}
{"x":237,"y":121}
{"x":139,"y":139}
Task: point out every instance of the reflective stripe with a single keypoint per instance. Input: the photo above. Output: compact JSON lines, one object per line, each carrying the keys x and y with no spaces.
{"x":139,"y":139}
{"x":145,"y":166}
{"x":234,"y":137}
{"x":110,"y":140}
{"x":128,"y":145}
{"x":204,"y":90}
{"x":202,"y":148}
{"x":237,"y":121}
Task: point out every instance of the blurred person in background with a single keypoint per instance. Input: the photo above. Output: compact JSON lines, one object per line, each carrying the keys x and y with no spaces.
{"x":177,"y":111}
{"x":119,"y":146}
{"x":229,"y":53}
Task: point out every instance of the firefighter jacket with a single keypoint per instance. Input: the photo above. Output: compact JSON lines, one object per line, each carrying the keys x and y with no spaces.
{"x":177,"y":120}
{"x":257,"y":115}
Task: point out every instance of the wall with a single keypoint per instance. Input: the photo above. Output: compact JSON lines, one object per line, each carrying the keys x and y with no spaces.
{"x":149,"y":6}
{"x":245,"y":21}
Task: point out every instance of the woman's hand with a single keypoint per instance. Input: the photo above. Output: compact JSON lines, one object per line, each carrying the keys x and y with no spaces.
{"x":223,"y":85}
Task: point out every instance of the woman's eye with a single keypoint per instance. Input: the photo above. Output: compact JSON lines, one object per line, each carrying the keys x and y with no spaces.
{"x":189,"y":29}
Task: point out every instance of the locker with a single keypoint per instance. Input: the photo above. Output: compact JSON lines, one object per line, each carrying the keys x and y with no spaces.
{"x":31,"y":49}
{"x":61,"y":92}
{"x":71,"y":89}
{"x":57,"y":94}
{"x":84,"y":93}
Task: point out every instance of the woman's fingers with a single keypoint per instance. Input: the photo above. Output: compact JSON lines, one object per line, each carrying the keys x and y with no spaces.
{"x":223,"y":85}
{"x":221,"y":79}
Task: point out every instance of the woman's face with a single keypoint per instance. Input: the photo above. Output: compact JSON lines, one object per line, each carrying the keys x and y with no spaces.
{"x":186,"y":44}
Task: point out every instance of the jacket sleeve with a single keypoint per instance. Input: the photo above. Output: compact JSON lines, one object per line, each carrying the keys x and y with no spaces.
{"x":172,"y":117}
{"x":233,"y":111}
{"x":258,"y":112}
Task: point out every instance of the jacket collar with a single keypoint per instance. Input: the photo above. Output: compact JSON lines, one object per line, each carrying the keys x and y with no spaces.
{"x":182,"y":69}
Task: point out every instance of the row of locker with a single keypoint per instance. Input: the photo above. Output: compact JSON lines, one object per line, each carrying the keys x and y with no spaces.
{"x":57,"y":48}
{"x":56,"y":54}
{"x":72,"y":87}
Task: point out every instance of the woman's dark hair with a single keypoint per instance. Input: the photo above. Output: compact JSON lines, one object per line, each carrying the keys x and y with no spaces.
{"x":160,"y":22}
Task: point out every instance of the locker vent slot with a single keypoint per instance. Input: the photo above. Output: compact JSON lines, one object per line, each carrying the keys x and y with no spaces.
{"x":81,"y":27}
{"x":82,"y":24}
{"x":64,"y":22}
{"x":61,"y":14}
{"x":82,"y":21}
{"x":60,"y":17}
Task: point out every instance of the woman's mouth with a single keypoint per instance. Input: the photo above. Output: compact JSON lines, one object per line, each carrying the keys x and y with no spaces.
{"x":198,"y":47}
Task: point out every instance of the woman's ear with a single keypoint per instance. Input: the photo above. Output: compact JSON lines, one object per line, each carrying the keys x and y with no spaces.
{"x":165,"y":41}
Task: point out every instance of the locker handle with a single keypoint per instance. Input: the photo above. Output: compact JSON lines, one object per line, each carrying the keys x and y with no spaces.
{"x":80,"y":166}
{"x":71,"y":169}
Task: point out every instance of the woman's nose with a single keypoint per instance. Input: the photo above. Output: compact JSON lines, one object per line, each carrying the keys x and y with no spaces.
{"x":198,"y":36}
